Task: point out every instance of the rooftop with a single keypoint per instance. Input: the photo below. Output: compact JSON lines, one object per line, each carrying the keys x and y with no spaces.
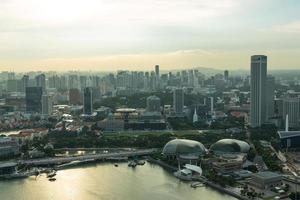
{"x":288,"y":134}
{"x":266,"y":175}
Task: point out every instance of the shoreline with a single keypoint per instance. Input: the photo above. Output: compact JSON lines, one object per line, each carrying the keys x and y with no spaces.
{"x":207,"y":183}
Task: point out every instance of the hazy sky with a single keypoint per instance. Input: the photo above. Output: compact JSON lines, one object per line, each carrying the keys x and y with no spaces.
{"x":137,"y":34}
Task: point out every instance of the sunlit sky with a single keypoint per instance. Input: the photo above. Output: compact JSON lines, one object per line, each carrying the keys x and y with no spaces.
{"x":137,"y":34}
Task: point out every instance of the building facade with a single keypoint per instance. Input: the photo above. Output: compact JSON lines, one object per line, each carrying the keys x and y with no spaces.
{"x":258,"y":90}
{"x":291,"y":108}
{"x":178,"y":100}
{"x":88,"y":101}
{"x":33,"y":99}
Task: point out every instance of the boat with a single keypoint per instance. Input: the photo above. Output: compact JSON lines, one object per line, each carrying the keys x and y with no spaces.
{"x":132,"y":164}
{"x":51,"y":174}
{"x":197,"y":184}
{"x":140,"y":162}
{"x":189,"y":173}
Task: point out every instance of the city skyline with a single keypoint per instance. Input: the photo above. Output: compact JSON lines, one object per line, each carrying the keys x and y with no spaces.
{"x":101,"y":35}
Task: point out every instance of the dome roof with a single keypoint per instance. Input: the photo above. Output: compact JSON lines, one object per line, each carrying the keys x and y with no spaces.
{"x":230,"y":146}
{"x":184,"y":147}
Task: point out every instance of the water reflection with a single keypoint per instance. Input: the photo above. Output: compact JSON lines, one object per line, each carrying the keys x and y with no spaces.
{"x":106,"y":182}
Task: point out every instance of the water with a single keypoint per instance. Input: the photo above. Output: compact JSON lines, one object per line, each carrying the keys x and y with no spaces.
{"x":106,"y":182}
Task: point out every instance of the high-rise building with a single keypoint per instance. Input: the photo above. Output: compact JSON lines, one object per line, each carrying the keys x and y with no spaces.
{"x":88,"y":101}
{"x":157,"y":74}
{"x":41,"y":81}
{"x":74,"y":96}
{"x":258,"y":90}
{"x":191,"y":78}
{"x":47,"y":104}
{"x":178,"y":100}
{"x":33,"y":99}
{"x":226,"y":75}
{"x":291,"y":108}
{"x":12,"y":85}
{"x":270,"y":102}
{"x":153,"y":104}
{"x":24,"y":82}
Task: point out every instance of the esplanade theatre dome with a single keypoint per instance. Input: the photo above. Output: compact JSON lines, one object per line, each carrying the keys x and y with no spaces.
{"x":230,"y":146}
{"x":184,"y":148}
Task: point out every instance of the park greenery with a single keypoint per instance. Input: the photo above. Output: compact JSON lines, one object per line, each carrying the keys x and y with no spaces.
{"x":155,"y":139}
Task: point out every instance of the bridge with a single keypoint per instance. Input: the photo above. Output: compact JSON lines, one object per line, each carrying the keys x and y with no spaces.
{"x":99,"y":156}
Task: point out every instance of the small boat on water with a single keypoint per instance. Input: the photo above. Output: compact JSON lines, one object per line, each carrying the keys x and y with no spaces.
{"x":140,"y":162}
{"x":197,"y":184}
{"x":52,"y":179}
{"x":132,"y":164}
{"x":51,"y":174}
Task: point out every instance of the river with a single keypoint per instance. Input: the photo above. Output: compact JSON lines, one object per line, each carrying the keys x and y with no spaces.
{"x":106,"y":182}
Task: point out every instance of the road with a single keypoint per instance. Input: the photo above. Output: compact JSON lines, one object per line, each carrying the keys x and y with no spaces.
{"x":100,"y":156}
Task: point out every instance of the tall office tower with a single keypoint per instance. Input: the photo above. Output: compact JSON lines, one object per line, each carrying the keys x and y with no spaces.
{"x":11,"y":85}
{"x":134,"y":80}
{"x":11,"y":76}
{"x":96,"y":94}
{"x":153,"y":104}
{"x":74,"y":96}
{"x":83,"y":82}
{"x":291,"y":108}
{"x":47,"y":104}
{"x":88,"y":101}
{"x":157,"y":74}
{"x":258,"y":90}
{"x":147,"y":81}
{"x":40,"y":81}
{"x":33,"y":99}
{"x":191,"y":78}
{"x":73,"y":81}
{"x":184,"y":77}
{"x":24,"y":82}
{"x":270,"y":102}
{"x":226,"y":75}
{"x":152,"y":81}
{"x":178,"y":100}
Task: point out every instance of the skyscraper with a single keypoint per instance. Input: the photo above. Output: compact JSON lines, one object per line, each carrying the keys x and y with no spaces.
{"x":226,"y":75}
{"x":157,"y":75}
{"x":291,"y":108}
{"x":88,"y":101}
{"x":41,"y":81}
{"x":178,"y":101}
{"x":74,"y":96}
{"x":270,"y":102}
{"x":34,"y":99}
{"x":258,"y":90}
{"x":47,"y":104}
{"x":24,"y":82}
